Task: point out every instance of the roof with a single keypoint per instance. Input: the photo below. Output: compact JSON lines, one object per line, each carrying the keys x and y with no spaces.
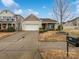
{"x":19,"y":16}
{"x":48,"y":20}
{"x":31,"y":17}
{"x":6,"y":11}
{"x":73,"y":19}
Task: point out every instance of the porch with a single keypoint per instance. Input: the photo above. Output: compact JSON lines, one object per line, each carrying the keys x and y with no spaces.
{"x":4,"y":26}
{"x":48,"y":26}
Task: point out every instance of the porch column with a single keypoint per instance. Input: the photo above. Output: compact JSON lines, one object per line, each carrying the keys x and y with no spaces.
{"x":46,"y":26}
{"x":1,"y":26}
{"x":6,"y":25}
{"x":11,"y":24}
{"x":77,"y":23}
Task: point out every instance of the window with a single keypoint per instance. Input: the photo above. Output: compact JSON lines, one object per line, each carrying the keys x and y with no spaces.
{"x":0,"y":26}
{"x":12,"y":19}
{"x":0,"y":18}
{"x":7,"y":19}
{"x":13,"y":25}
{"x":3,"y":17}
{"x":75,"y":24}
{"x":9,"y":24}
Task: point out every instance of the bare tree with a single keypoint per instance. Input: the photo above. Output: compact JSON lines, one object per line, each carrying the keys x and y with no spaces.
{"x":62,"y":11}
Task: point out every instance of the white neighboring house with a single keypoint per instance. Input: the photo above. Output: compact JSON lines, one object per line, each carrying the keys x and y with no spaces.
{"x":73,"y":24}
{"x":9,"y":19}
{"x":31,"y":23}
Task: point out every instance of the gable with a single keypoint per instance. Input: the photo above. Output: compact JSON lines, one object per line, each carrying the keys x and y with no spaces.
{"x":31,"y":18}
{"x":6,"y":13}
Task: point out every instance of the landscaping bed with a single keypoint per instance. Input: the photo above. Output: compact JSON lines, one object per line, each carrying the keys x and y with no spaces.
{"x":52,"y":36}
{"x":5,"y":34}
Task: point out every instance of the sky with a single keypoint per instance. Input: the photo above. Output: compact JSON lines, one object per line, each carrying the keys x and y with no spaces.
{"x":40,"y":8}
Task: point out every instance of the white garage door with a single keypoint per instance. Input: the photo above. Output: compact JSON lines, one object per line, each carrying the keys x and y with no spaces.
{"x":30,"y":27}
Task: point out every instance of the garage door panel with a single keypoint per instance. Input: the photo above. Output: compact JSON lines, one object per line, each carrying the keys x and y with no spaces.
{"x":31,"y":27}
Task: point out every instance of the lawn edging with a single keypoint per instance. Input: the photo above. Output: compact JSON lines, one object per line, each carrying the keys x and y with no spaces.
{"x":5,"y":36}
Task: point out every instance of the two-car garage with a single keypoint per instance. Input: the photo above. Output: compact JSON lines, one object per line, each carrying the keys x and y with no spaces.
{"x":30,"y":27}
{"x":31,"y":23}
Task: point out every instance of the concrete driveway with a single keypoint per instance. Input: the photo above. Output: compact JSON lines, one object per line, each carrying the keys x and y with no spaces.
{"x":22,"y":45}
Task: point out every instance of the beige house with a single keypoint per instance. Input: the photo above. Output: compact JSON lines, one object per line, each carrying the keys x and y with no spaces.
{"x":73,"y":24}
{"x":32,"y":23}
{"x":9,"y":19}
{"x":48,"y":23}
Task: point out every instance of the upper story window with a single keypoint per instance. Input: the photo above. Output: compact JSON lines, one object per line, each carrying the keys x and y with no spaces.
{"x":75,"y":24}
{"x":10,"y":18}
{"x":6,"y":18}
{"x":1,"y":18}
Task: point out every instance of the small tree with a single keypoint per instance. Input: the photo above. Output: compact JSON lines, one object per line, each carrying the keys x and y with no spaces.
{"x":60,"y":27}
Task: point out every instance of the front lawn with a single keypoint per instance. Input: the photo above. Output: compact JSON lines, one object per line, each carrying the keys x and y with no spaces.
{"x":59,"y":54}
{"x":72,"y":32}
{"x":52,"y":36}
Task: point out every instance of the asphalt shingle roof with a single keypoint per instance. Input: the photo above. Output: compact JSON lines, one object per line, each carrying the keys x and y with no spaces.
{"x":48,"y":20}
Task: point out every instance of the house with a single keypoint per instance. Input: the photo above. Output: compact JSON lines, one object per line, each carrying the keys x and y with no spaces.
{"x":18,"y":22}
{"x":48,"y":23}
{"x":34,"y":23}
{"x":9,"y":19}
{"x":31,"y":23}
{"x":74,"y":23}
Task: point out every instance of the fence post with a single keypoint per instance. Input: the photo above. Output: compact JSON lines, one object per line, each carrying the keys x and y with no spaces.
{"x":67,"y":37}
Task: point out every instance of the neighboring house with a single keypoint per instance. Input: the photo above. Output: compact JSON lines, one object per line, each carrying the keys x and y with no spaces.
{"x":74,"y":23}
{"x":48,"y":23}
{"x":33,"y":23}
{"x":30,"y":23}
{"x":9,"y":19}
{"x":19,"y":20}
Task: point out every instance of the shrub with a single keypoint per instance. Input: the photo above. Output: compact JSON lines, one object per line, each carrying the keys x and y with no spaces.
{"x":1,"y":30}
{"x":41,"y":30}
{"x":10,"y":29}
{"x":60,"y":27}
{"x":52,"y":29}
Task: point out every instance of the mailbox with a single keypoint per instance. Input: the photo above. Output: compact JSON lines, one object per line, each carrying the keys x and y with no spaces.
{"x":74,"y":41}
